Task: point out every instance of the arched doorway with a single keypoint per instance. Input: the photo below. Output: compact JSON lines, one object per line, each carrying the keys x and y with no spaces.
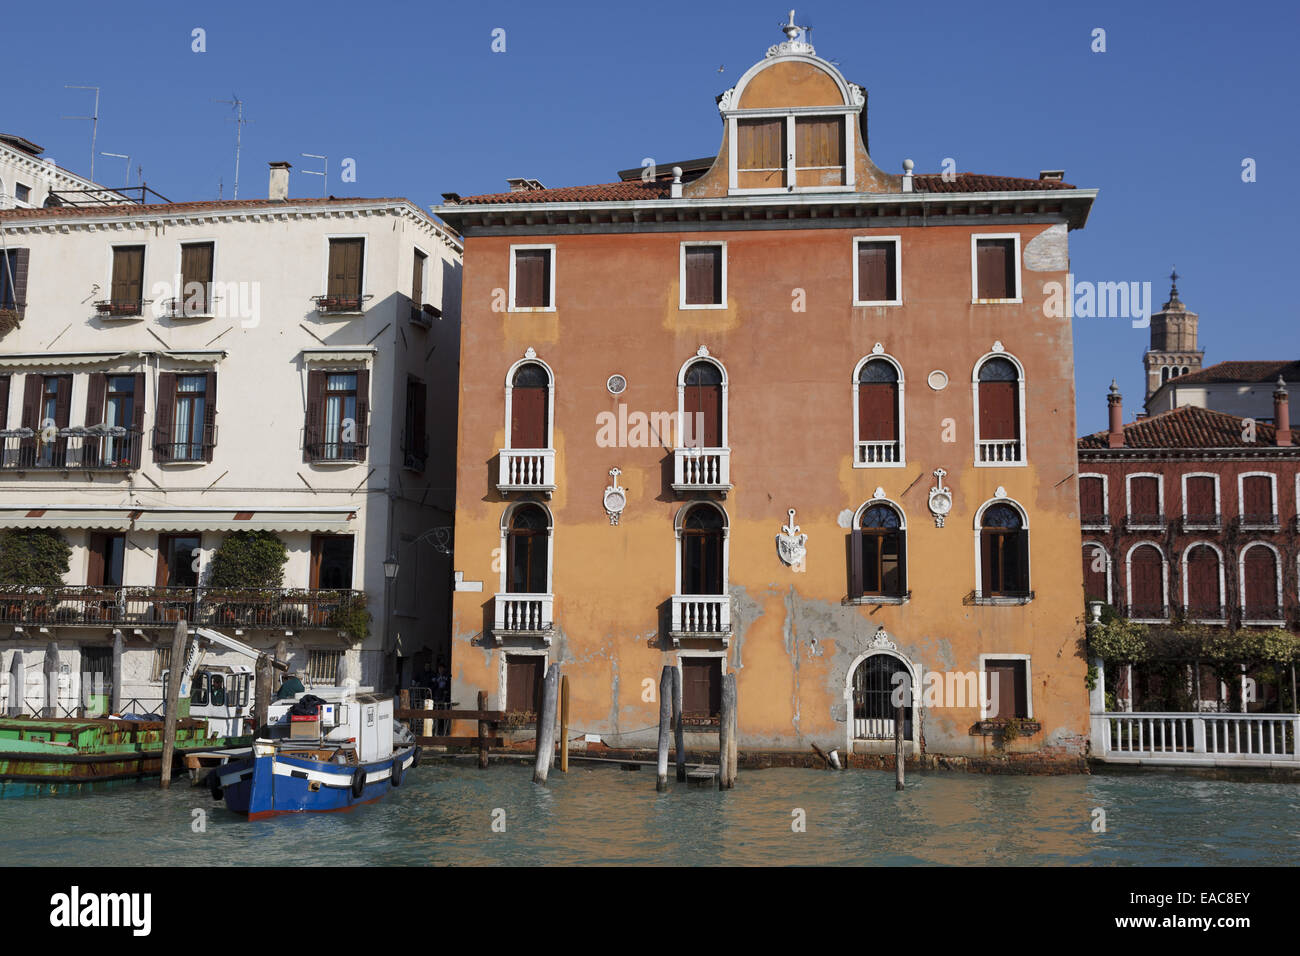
{"x":871,"y":701}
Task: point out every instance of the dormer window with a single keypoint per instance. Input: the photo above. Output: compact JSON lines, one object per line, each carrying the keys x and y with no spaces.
{"x":761,"y":154}
{"x":819,"y":150}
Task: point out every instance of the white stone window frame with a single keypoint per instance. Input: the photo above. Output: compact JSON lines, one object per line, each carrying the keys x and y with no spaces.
{"x":1029,"y":681}
{"x":516,"y":247}
{"x":850,"y":114}
{"x":1164,"y":580}
{"x":681,"y":675}
{"x":113,"y":246}
{"x":1218,"y":504}
{"x":975,"y":274}
{"x":915,"y":672}
{"x":998,"y":352}
{"x":550,"y":398}
{"x":505,"y":543}
{"x":681,"y":275}
{"x":1128,"y":498}
{"x":1105,"y":499}
{"x":1241,"y":498}
{"x":679,"y":524}
{"x":1223,"y":592}
{"x":1277,"y":583}
{"x":502,"y":669}
{"x":178,"y":276}
{"x":1109,"y":569}
{"x":979,"y":527}
{"x":902,"y":527}
{"x":897,"y":240}
{"x":325,"y":266}
{"x":681,"y":400}
{"x":902,"y":406}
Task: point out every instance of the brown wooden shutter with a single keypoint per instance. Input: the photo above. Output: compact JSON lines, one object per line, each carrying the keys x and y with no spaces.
{"x":1203,"y":579}
{"x":163,"y":415}
{"x":995,"y":264}
{"x":136,"y":440}
{"x":5,"y":383}
{"x":161,"y":573}
{"x":209,"y":416}
{"x":855,"y":563}
{"x":1094,"y":581}
{"x":95,"y":391}
{"x":528,"y":417}
{"x":95,"y":559}
{"x":1260,"y":569}
{"x":419,"y":428}
{"x":196,"y":266}
{"x":877,"y":272}
{"x":1200,"y":495}
{"x":128,"y":274}
{"x":1092,"y":501}
{"x":17,"y":262}
{"x":761,"y":143}
{"x":707,"y":401}
{"x":877,"y":411}
{"x":347,"y":258}
{"x":1257,"y":496}
{"x":532,"y":278}
{"x":999,"y":410}
{"x":363,"y":412}
{"x":313,"y":424}
{"x":32,"y":385}
{"x":63,"y":401}
{"x":1145,"y":494}
{"x":417,"y":278}
{"x":819,"y":141}
{"x":1012,"y":692}
{"x":703,"y":275}
{"x":1147,"y":580}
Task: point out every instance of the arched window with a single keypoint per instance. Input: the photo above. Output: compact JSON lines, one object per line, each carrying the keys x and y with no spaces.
{"x":1202,"y":583}
{"x":530,"y":392}
{"x":1146,"y":583}
{"x":878,"y":413}
{"x":878,"y":552}
{"x":1261,"y":588}
{"x":528,"y":561}
{"x":874,"y":710}
{"x":1096,"y":572}
{"x":702,"y":563}
{"x":1164,"y":374}
{"x":703,"y":405}
{"x":999,"y":411}
{"x":1004,"y":552}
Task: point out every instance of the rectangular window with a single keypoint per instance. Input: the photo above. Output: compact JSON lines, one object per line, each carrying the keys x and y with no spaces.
{"x":118,"y":402}
{"x":162,"y":661}
{"x":417,"y":278}
{"x":323,"y":668}
{"x":194,"y":296}
{"x":1092,"y":500}
{"x":530,"y":280}
{"x":13,"y":279}
{"x":47,"y":401}
{"x":1257,"y":500}
{"x":185,"y":422}
{"x":5,"y":383}
{"x":1008,"y":689}
{"x":1200,"y":508}
{"x":1144,"y":500}
{"x":337,"y":412}
{"x":1004,"y":562}
{"x":819,"y":150}
{"x":22,"y":192}
{"x":703,"y":275}
{"x":191,"y":411}
{"x":347,"y":260}
{"x":701,"y":687}
{"x":178,"y":560}
{"x":127,"y":294}
{"x":996,"y":274}
{"x":875,"y":270}
{"x":523,"y":683}
{"x":761,"y":153}
{"x":97,"y":661}
{"x":331,"y":562}
{"x":415,"y":438}
{"x":107,"y":556}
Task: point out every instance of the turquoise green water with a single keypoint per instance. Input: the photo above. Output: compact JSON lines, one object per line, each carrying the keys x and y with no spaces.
{"x":443,"y":814}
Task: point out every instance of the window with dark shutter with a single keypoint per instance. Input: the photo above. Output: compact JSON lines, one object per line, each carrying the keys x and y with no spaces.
{"x":995,"y":262}
{"x":532,"y":278}
{"x":1092,"y":502}
{"x":1146,"y":583}
{"x":1257,"y":499}
{"x":523,"y":683}
{"x":5,"y":382}
{"x":1203,"y":598}
{"x":877,"y":271}
{"x":702,"y":406}
{"x":1008,"y":689}
{"x":999,"y":399}
{"x":1259,"y":587}
{"x":529,"y":398}
{"x":1200,"y":507}
{"x":196,"y":277}
{"x":701,"y":687}
{"x":414,"y":435}
{"x":1094,"y":573}
{"x":347,"y":257}
{"x":128,"y":280}
{"x":163,"y":447}
{"x":1144,"y":499}
{"x":13,"y":279}
{"x":417,"y":278}
{"x":878,"y":402}
{"x":703,"y":275}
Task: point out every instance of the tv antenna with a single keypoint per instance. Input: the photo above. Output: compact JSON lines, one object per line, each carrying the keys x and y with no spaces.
{"x":238,"y":106}
{"x":126,"y":181}
{"x":325,"y":176}
{"x":94,"y":122}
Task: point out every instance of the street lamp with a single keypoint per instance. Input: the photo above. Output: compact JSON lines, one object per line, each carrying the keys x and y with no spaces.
{"x":390,"y":567}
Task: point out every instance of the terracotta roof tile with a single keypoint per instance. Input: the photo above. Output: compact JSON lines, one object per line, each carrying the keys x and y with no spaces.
{"x":1188,"y":427}
{"x":1242,"y":372}
{"x":660,"y":189}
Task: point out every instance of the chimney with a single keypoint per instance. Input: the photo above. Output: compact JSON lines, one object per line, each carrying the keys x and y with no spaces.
{"x":279,"y":181}
{"x":1051,"y":175}
{"x":1115,"y":401}
{"x":518,"y":184}
{"x":1282,"y":413}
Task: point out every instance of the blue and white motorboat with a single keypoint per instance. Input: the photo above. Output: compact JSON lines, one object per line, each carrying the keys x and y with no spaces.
{"x":332,"y":749}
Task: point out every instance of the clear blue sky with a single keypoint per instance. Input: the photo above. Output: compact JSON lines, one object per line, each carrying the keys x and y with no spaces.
{"x":1160,"y":122}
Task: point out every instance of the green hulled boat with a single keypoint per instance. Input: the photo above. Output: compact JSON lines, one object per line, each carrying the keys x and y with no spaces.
{"x":44,"y":756}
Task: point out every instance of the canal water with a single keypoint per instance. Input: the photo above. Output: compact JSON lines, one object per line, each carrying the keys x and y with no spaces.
{"x":444,"y":813}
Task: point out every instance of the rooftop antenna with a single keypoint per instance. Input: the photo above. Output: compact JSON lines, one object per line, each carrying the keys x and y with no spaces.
{"x":238,"y":105}
{"x":127,"y":180}
{"x":94,"y":122}
{"x":325,"y":176}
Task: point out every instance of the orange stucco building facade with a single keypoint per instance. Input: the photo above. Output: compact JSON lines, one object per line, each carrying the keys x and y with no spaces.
{"x":786,"y":328}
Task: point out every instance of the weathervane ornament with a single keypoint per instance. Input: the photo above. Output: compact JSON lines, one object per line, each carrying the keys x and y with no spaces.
{"x":794,"y":42}
{"x":940,"y":498}
{"x":615,"y":497}
{"x":791,"y":546}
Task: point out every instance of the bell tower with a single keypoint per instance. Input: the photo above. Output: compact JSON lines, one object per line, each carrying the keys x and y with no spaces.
{"x":1173,"y":350}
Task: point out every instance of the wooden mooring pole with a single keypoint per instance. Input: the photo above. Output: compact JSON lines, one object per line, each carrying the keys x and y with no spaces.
{"x":546,"y":724}
{"x":564,"y":724}
{"x":665,"y":726}
{"x":115,"y":694}
{"x":261,"y":692}
{"x":727,"y":734}
{"x":898,"y":747}
{"x":482,"y":731}
{"x":679,"y":744}
{"x":176,"y":669}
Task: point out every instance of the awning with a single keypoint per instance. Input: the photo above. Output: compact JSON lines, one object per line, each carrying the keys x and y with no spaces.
{"x":96,"y":518}
{"x":62,"y":359}
{"x":357,"y":353}
{"x":232,"y":520}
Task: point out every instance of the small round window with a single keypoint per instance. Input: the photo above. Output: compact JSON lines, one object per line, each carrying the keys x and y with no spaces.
{"x":938,"y":380}
{"x":616,"y":384}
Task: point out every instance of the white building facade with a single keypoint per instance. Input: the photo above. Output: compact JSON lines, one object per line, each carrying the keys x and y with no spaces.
{"x":177,"y":373}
